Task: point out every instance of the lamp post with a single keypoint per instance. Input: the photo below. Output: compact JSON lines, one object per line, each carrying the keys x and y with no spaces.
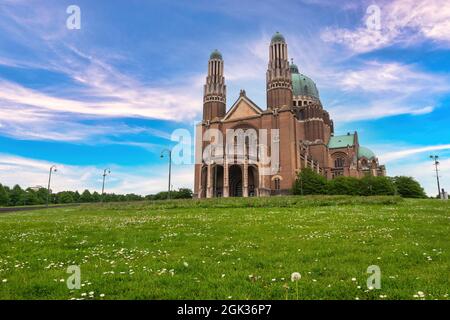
{"x":169,"y":151}
{"x":436,"y":163}
{"x":105,"y":173}
{"x":52,"y":169}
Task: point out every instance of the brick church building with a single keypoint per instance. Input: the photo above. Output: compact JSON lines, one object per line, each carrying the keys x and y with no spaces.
{"x":303,"y":128}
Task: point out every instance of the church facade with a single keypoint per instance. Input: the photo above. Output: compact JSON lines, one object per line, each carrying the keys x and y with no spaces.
{"x":299,"y":130}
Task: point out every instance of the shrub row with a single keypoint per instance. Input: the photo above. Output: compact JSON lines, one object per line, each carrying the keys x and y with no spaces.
{"x":309,"y":182}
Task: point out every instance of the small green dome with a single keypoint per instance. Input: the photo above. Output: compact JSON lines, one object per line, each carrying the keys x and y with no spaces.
{"x":277,"y":37}
{"x":364,"y":152}
{"x":303,"y":85}
{"x":216,"y":55}
{"x":293,"y":67}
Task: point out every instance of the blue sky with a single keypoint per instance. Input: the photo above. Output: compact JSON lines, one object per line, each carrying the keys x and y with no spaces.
{"x":110,"y":94}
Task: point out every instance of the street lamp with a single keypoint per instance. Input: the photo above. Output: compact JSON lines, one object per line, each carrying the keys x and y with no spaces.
{"x":436,"y":163}
{"x":105,"y":173}
{"x":170,"y":167}
{"x":52,"y":169}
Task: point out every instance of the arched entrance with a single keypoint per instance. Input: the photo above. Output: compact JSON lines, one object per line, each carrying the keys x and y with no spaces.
{"x":253,"y":180}
{"x":217,"y":175}
{"x":235,"y":181}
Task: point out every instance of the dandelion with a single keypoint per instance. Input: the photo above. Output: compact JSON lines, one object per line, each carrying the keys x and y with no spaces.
{"x":295,"y":277}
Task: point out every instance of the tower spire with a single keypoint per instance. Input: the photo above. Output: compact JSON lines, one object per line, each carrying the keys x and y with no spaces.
{"x":278,"y":76}
{"x":214,"y":96}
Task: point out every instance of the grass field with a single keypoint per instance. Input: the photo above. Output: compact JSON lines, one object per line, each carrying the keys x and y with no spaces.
{"x":230,"y":249}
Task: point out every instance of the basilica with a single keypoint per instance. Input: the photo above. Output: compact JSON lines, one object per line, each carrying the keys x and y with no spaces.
{"x":301,"y":131}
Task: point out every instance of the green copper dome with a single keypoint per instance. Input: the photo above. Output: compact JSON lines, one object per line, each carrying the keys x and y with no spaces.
{"x":303,"y":85}
{"x":364,"y":152}
{"x":216,"y":55}
{"x":277,"y":37}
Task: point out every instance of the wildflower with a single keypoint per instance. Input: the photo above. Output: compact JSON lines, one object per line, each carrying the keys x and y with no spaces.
{"x":186,"y":264}
{"x":102,"y":295}
{"x":353,"y":279}
{"x":296,"y":276}
{"x":5,"y":280}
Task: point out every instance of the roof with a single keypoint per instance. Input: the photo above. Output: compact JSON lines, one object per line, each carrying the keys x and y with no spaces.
{"x":303,"y":85}
{"x":364,"y":152}
{"x":341,"y":141}
{"x":215,"y":55}
{"x":277,"y":37}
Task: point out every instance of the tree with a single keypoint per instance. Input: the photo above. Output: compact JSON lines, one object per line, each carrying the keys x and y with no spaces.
{"x":86,"y":196}
{"x":309,"y":182}
{"x":65,"y":197}
{"x":184,"y":193}
{"x":4,"y":196}
{"x":41,"y":194}
{"x":344,"y":186}
{"x":96,"y":197}
{"x":408,"y":187}
{"x":29,"y":197}
{"x":377,"y":186}
{"x":76,"y":197}
{"x":16,"y":196}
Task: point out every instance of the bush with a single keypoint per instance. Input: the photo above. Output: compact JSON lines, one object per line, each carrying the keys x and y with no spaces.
{"x":408,"y":187}
{"x":377,"y":186}
{"x":309,"y":182}
{"x":344,"y":186}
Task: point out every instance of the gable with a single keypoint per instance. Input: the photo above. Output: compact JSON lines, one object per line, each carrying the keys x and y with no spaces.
{"x":243,"y":108}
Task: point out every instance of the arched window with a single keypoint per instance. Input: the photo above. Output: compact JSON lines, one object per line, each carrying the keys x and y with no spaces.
{"x":339,"y":163}
{"x":277,"y":183}
{"x":364,"y":163}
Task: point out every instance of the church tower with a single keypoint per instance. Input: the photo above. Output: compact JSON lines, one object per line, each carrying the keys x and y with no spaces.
{"x":214,"y":95}
{"x":278,"y":76}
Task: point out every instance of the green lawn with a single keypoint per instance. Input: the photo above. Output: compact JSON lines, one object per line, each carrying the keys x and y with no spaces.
{"x":229,"y":249}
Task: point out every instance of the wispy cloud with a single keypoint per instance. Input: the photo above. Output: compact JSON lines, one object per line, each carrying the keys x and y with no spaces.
{"x":403,"y":22}
{"x":404,"y":153}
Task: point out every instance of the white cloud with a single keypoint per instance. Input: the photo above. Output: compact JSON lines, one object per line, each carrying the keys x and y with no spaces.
{"x":424,"y":172}
{"x":393,"y":77}
{"x":396,"y":155}
{"x":402,"y":21}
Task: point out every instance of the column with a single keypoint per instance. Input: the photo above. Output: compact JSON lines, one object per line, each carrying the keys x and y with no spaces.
{"x":209,"y":187}
{"x":226,"y":188}
{"x":245,"y":179}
